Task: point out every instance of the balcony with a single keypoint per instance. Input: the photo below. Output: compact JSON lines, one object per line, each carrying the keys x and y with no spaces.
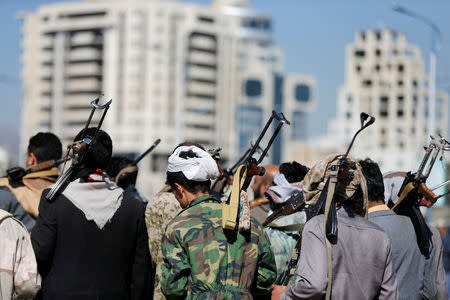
{"x":201,"y":73}
{"x":201,"y":88}
{"x":199,"y":103}
{"x":202,"y":119}
{"x":199,"y":57}
{"x":85,"y":84}
{"x":83,"y":100}
{"x":84,"y":54}
{"x":85,"y":38}
{"x":83,"y":69}
{"x":203,"y":42}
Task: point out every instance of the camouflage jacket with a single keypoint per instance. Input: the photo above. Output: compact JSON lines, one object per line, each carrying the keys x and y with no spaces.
{"x":283,"y":240}
{"x":160,"y":210}
{"x":202,"y":261}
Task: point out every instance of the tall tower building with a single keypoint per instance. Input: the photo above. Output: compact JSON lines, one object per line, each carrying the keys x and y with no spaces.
{"x":385,"y":77}
{"x":175,"y":71}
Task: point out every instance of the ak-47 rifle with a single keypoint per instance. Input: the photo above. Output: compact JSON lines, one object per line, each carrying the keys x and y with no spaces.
{"x":227,"y":173}
{"x":132,"y":167}
{"x":17,"y":173}
{"x":245,"y":173}
{"x":78,"y":149}
{"x":414,"y":193}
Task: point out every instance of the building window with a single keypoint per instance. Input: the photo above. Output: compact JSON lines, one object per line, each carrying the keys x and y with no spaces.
{"x":302,"y":93}
{"x":377,"y":68}
{"x":378,"y":52}
{"x":253,"y":88}
{"x":367,"y":83}
{"x":400,"y":68}
{"x":384,"y":100}
{"x":250,"y":122}
{"x":358,"y":68}
{"x":359,"y":53}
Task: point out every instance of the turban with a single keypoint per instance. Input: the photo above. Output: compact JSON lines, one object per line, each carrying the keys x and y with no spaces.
{"x":315,"y":180}
{"x":392,"y":183}
{"x":282,"y":190}
{"x":200,"y":168}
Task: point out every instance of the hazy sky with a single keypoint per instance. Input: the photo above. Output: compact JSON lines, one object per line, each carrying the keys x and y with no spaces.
{"x":312,"y":35}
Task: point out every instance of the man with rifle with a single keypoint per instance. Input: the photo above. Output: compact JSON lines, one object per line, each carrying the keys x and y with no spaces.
{"x":343,"y":255}
{"x":409,"y":263}
{"x":21,"y":191}
{"x":362,"y":265}
{"x":284,"y":232}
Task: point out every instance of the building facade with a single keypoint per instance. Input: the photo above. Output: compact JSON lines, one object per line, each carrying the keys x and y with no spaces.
{"x":175,"y":71}
{"x":385,"y":77}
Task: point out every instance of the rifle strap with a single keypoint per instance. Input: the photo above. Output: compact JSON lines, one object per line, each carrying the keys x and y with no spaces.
{"x":230,"y":211}
{"x":53,"y":172}
{"x":289,"y":228}
{"x":328,"y":203}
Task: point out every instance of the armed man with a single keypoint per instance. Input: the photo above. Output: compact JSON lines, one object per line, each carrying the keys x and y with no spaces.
{"x":20,"y":195}
{"x":201,"y":258}
{"x":360,"y":261}
{"x":408,"y":261}
{"x":90,"y":239}
{"x":284,"y":232}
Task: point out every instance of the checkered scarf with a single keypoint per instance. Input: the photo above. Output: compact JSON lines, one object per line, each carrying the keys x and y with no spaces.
{"x":315,"y":180}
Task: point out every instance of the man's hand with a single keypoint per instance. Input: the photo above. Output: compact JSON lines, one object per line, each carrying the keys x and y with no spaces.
{"x":277,"y":290}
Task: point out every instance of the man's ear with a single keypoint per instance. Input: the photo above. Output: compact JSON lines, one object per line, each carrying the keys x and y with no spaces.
{"x":178,"y":188}
{"x":31,"y":159}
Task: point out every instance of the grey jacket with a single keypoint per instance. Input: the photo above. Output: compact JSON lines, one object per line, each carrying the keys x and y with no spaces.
{"x":436,"y":267}
{"x":9,"y":203}
{"x":408,"y":261}
{"x":362,"y":261}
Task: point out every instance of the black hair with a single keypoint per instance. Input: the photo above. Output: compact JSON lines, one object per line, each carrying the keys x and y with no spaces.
{"x":192,"y":186}
{"x":99,"y":153}
{"x":45,"y":146}
{"x":118,"y":163}
{"x":294,"y":172}
{"x":374,"y":179}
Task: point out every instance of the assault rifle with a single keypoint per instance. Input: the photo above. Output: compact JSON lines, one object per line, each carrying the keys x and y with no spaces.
{"x":78,"y":149}
{"x":245,"y":172}
{"x":414,"y":193}
{"x":227,"y":173}
{"x":17,"y":173}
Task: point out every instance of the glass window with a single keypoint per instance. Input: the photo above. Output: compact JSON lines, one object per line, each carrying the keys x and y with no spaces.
{"x":250,"y":122}
{"x":302,"y":93}
{"x":253,"y":88}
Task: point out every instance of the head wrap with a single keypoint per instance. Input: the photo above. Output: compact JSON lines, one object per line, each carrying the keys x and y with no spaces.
{"x":392,"y":183}
{"x":315,"y":180}
{"x":201,"y":168}
{"x":282,"y":190}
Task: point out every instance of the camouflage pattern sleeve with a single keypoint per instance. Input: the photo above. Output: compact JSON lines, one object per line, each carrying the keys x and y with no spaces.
{"x":267,"y":270}
{"x":176,"y":268}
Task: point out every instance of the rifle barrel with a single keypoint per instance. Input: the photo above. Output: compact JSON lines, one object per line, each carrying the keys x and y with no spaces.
{"x":156,"y":143}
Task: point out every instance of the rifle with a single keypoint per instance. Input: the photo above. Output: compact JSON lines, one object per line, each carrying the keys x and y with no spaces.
{"x":296,"y":202}
{"x":78,"y":149}
{"x":247,"y":171}
{"x":414,"y":193}
{"x":17,"y":173}
{"x":220,"y":184}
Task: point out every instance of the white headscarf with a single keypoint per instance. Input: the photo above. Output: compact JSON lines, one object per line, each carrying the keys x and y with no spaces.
{"x":199,"y":168}
{"x":282,"y":190}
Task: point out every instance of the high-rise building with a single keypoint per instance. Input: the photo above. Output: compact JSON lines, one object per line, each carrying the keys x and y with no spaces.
{"x":385,"y":77}
{"x":176,"y":71}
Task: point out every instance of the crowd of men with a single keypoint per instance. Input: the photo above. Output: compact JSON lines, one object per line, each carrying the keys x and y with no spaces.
{"x":99,"y":238}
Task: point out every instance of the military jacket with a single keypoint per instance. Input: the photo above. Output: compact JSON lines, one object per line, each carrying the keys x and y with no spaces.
{"x":203,"y":261}
{"x":283,"y":240}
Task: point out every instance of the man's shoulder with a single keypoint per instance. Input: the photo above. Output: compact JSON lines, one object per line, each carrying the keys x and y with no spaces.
{"x":196,"y":216}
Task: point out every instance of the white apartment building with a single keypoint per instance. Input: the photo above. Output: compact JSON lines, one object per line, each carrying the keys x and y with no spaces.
{"x":175,"y":71}
{"x":385,"y":77}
